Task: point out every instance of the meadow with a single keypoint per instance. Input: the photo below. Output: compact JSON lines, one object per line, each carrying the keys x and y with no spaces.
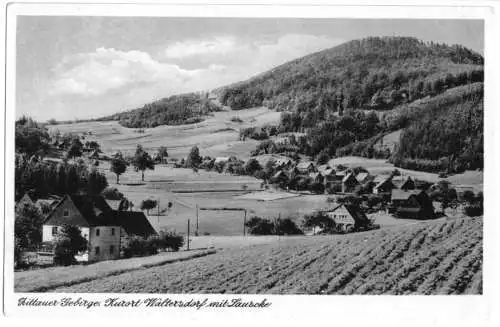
{"x":217,"y":135}
{"x":443,"y":257}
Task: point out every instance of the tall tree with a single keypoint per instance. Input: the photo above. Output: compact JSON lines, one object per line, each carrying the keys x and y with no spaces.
{"x":142,"y":161}
{"x":162,"y":153}
{"x":96,"y":182}
{"x":118,"y":166}
{"x":69,"y":241}
{"x":28,"y":225}
{"x":194,"y":158}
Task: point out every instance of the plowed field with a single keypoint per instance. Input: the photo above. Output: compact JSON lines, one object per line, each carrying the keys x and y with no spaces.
{"x":425,"y":258}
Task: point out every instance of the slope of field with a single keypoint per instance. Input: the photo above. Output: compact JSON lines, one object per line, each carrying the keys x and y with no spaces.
{"x":425,"y":258}
{"x":217,"y":135}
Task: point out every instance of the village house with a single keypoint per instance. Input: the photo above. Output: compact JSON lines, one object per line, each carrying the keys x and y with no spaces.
{"x":363,"y":178}
{"x":408,"y":184}
{"x":414,"y":204}
{"x":306,"y":167}
{"x":317,"y":178}
{"x":100,"y":225}
{"x":349,"y":183}
{"x":279,"y":177}
{"x":25,"y":200}
{"x":348,"y":217}
{"x":384,"y":185}
{"x":282,"y":163}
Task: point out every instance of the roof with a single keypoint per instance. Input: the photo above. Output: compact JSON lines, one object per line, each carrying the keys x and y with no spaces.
{"x":135,"y":223}
{"x":362,"y":176}
{"x":315,"y":175}
{"x":221,"y":159}
{"x":384,"y":181}
{"x":114,"y":204}
{"x":279,"y":173}
{"x":347,"y":177}
{"x":304,"y":164}
{"x":355,"y":211}
{"x":93,"y":208}
{"x":398,"y":194}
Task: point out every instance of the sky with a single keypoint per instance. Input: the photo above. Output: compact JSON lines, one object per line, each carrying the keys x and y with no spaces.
{"x":85,"y":67}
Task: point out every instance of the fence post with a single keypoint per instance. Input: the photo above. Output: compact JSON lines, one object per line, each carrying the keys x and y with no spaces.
{"x":188,"y":236}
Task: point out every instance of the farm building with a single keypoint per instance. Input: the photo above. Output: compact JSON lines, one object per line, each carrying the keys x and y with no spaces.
{"x":96,"y":220}
{"x":25,"y":200}
{"x":283,"y":163}
{"x":221,"y":160}
{"x":385,"y":185}
{"x":408,"y":184}
{"x":102,"y":227}
{"x":363,"y":178}
{"x":279,"y":177}
{"x":134,"y":223}
{"x":348,"y":217}
{"x":349,"y":183}
{"x":317,"y":177}
{"x":414,"y":204}
{"x":306,"y":167}
{"x":47,"y":205}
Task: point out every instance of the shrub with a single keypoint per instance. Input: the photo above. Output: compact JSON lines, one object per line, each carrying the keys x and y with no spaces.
{"x":473,"y":210}
{"x":69,"y":241}
{"x":286,"y":227}
{"x":135,"y":246}
{"x":259,"y":226}
{"x":171,"y":240}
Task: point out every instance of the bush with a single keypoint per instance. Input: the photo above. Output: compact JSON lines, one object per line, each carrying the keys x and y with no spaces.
{"x":171,"y":240}
{"x":286,"y":227}
{"x":69,"y":241}
{"x":259,"y":226}
{"x":135,"y":246}
{"x":473,"y":210}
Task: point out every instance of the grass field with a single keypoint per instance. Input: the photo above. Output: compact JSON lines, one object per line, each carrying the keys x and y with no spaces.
{"x":40,"y":280}
{"x":425,"y":258}
{"x":217,"y":135}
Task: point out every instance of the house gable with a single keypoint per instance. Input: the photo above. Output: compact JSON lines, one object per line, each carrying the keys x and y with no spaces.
{"x":66,"y":212}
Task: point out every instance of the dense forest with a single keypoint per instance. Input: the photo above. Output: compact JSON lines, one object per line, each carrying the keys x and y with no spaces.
{"x":372,"y":73}
{"x":175,"y":110}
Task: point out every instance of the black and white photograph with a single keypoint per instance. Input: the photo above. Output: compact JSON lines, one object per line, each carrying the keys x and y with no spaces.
{"x":247,"y":155}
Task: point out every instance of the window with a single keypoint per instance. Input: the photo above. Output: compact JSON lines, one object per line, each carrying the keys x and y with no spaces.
{"x":54,"y":230}
{"x":111,"y":249}
{"x":97,"y":249}
{"x":66,"y":213}
{"x":112,"y":231}
{"x":97,"y":232}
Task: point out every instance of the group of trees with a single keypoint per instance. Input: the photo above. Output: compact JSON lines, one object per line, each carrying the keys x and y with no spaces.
{"x":175,"y":110}
{"x":42,"y":179}
{"x":265,"y":226}
{"x":137,"y":246}
{"x":450,"y":140}
{"x":258,"y":133}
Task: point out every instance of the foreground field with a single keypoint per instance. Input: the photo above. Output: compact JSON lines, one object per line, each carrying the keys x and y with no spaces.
{"x":40,"y":280}
{"x":425,"y":258}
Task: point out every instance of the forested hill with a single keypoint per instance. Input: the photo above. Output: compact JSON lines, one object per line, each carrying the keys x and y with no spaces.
{"x":371,"y":73}
{"x":174,"y":110}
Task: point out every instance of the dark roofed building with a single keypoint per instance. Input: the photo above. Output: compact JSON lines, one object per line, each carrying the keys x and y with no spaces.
{"x":348,"y":217}
{"x":135,"y":223}
{"x":414,"y":204}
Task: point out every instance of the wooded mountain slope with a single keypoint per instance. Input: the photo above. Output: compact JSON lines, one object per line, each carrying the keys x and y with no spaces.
{"x":375,"y":72}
